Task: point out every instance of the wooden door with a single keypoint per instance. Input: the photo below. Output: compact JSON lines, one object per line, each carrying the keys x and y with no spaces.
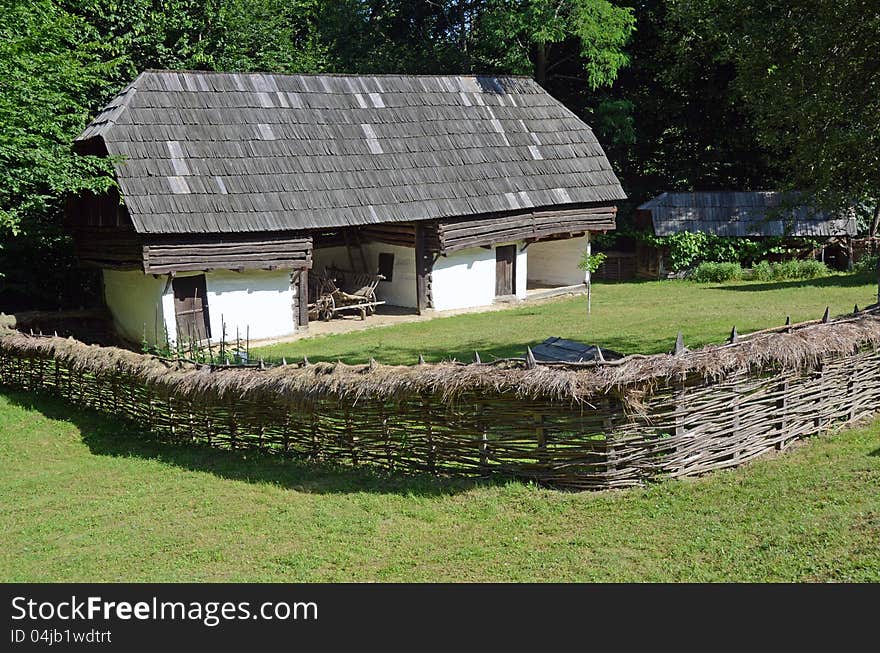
{"x":191,"y":308}
{"x":505,"y":270}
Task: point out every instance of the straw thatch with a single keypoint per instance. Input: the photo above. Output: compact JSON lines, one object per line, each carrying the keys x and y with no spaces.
{"x":608,"y":424}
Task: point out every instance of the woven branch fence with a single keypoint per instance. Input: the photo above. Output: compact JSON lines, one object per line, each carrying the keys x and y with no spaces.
{"x":587,"y":426}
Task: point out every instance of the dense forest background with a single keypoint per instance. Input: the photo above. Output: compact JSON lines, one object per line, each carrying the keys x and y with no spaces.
{"x":683,"y":94}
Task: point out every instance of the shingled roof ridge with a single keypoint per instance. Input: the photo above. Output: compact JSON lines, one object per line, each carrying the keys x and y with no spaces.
{"x":269,"y":72}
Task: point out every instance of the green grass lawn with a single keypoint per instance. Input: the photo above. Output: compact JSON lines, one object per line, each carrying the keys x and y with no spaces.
{"x":83,"y":498}
{"x":627,"y":317}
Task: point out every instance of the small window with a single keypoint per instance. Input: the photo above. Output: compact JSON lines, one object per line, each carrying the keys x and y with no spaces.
{"x":386,"y":266}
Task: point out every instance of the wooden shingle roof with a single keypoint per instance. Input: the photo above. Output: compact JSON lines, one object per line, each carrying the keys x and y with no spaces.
{"x":229,"y":152}
{"x":739,"y":214}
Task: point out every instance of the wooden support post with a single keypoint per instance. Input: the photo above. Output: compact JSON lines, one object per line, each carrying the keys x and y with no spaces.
{"x":302,"y":292}
{"x":421,"y":269}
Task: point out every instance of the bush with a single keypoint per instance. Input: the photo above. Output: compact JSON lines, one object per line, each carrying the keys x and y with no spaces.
{"x":715,"y":272}
{"x":795,"y":269}
{"x":866,"y":266}
{"x":787,"y":270}
{"x":763,"y":271}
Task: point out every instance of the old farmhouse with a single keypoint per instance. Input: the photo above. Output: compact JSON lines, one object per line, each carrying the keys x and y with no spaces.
{"x":234,"y":186}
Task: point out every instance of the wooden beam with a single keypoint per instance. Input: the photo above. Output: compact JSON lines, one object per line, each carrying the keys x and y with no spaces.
{"x":421,"y":269}
{"x":302,"y":293}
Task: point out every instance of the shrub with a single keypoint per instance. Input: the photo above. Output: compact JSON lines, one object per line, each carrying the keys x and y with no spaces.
{"x":763,"y":271}
{"x":715,"y":272}
{"x":795,"y":269}
{"x":866,"y":266}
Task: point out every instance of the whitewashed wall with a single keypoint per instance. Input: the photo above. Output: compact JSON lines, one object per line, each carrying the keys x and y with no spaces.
{"x":401,"y":290}
{"x":259,"y":299}
{"x":555,"y":262}
{"x":135,"y":302}
{"x":464,"y":279}
{"x":326,"y":257}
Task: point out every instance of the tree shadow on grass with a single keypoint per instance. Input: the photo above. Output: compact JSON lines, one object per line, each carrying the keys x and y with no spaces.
{"x":835,"y":281}
{"x":109,"y":436}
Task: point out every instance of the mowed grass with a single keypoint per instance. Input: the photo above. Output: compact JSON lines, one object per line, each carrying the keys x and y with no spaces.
{"x":626,"y":317}
{"x":83,"y":498}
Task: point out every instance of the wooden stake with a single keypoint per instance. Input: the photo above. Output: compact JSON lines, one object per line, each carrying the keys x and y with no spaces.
{"x":679,"y":345}
{"x":531,"y":363}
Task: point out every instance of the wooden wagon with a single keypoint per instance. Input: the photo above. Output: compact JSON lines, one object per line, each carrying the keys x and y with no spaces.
{"x":358,"y":295}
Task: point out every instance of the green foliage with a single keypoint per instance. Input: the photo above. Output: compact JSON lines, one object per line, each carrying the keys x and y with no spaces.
{"x":592,"y":262}
{"x":807,"y":73}
{"x":799,"y":269}
{"x":787,"y":270}
{"x":763,"y":271}
{"x":867,"y":266}
{"x":717,"y":272}
{"x":523,"y":31}
{"x":686,"y":250}
{"x":53,"y":68}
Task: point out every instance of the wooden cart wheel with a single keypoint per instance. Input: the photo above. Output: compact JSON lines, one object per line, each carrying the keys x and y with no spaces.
{"x":327,"y":310}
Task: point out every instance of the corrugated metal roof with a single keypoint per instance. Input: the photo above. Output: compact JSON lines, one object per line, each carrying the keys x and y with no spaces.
{"x":741,"y":214}
{"x":225,"y":152}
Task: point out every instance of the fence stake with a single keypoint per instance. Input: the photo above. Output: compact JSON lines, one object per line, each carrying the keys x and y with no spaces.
{"x":679,"y":345}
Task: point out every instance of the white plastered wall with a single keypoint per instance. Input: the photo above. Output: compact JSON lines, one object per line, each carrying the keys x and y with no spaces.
{"x":259,"y":303}
{"x":325,"y":257}
{"x":401,"y":290}
{"x":135,"y":302}
{"x":466,"y":279}
{"x":555,"y":262}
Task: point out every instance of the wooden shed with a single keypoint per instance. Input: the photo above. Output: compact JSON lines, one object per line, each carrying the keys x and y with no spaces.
{"x":759,"y":214}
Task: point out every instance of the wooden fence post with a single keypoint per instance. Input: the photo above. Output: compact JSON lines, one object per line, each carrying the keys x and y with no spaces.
{"x":782,"y":411}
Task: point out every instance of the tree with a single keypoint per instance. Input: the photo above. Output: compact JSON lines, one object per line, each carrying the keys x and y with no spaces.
{"x":809,"y":74}
{"x":530,"y":36}
{"x":53,"y":66}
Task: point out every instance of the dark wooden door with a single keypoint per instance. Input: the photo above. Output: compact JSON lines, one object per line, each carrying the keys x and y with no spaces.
{"x":505,"y":270}
{"x":191,"y":308}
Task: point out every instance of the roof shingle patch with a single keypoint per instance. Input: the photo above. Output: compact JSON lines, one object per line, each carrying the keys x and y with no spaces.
{"x":740,"y":214}
{"x":252,"y":152}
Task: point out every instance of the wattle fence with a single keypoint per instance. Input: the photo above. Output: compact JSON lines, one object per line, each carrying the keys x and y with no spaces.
{"x":584,"y":426}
